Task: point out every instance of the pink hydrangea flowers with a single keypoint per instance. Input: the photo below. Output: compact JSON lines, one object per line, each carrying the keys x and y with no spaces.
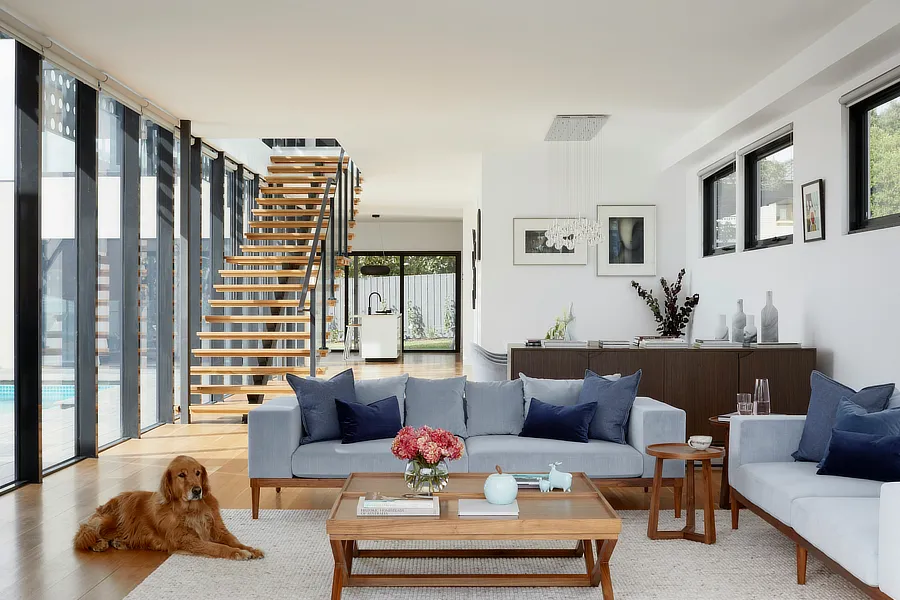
{"x":427,"y":445}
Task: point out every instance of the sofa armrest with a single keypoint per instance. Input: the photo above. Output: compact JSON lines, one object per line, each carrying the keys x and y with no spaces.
{"x":273,"y":436}
{"x":889,"y":540}
{"x":763,"y":439}
{"x":654,"y":422}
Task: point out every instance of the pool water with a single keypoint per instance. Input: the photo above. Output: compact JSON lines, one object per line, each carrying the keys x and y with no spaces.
{"x":50,"y":394}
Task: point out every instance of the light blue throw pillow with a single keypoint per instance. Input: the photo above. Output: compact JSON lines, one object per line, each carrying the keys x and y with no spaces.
{"x":437,"y":403}
{"x":561,"y":392}
{"x":318,"y":413}
{"x":822,"y":412}
{"x":374,"y":390}
{"x":494,"y":407}
{"x":614,"y":399}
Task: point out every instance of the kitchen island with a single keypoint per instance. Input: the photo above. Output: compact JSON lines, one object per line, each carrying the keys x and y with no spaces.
{"x":380,"y":336}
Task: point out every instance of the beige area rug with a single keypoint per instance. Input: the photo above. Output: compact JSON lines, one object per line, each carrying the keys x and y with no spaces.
{"x":756,"y":562}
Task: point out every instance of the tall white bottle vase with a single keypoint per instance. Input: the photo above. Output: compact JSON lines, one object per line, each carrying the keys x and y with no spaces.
{"x":721,"y":332}
{"x":750,"y":333}
{"x":768,"y":321}
{"x":738,"y":322}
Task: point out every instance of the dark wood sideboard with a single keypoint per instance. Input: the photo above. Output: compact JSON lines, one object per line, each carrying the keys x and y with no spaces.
{"x":703,"y":383}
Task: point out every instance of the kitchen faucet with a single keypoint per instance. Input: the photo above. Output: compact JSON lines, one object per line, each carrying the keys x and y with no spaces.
{"x":369,"y":302}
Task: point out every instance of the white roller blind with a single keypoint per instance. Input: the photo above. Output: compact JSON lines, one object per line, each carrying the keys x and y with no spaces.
{"x":766,"y":139}
{"x":719,"y":164}
{"x":871,"y":87}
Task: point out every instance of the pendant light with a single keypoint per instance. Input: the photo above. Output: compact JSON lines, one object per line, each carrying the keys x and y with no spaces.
{"x":575,"y":177}
{"x":378,"y":270}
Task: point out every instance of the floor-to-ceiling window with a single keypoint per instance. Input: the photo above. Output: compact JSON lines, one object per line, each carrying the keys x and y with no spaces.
{"x":7,"y":259}
{"x":205,"y":249}
{"x":110,"y":155}
{"x":177,"y":275}
{"x":59,"y":267}
{"x":149,"y":275}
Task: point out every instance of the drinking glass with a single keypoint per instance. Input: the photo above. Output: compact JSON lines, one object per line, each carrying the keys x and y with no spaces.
{"x":745,"y":404}
{"x":761,"y":397}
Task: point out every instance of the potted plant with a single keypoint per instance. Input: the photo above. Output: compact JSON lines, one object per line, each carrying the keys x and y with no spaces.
{"x":427,"y":452}
{"x":673,"y":317}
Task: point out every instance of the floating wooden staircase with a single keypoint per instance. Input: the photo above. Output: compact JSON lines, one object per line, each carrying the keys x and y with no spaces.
{"x":271,"y":306}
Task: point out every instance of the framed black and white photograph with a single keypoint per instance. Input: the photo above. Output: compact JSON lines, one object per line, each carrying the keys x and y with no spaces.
{"x":629,"y":240}
{"x":813,"y":195}
{"x":530,"y":245}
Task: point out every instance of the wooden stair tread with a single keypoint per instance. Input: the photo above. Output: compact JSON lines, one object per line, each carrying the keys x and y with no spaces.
{"x":242,"y":371}
{"x":262,"y":273}
{"x":293,"y":190}
{"x":261,"y":318}
{"x":286,"y":224}
{"x":305,"y":168}
{"x":253,"y":335}
{"x":298,"y":178}
{"x":288,"y":235}
{"x":288,"y":212}
{"x":286,"y":248}
{"x":225,"y":388}
{"x":282,"y":159}
{"x":226,"y":303}
{"x":262,"y":287}
{"x":269,"y":260}
{"x":254,"y":352}
{"x":223,"y":408}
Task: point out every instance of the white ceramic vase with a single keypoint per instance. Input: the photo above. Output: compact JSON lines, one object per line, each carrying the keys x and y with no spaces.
{"x":768,"y":321}
{"x":721,"y":332}
{"x":738,"y":322}
{"x":750,"y":333}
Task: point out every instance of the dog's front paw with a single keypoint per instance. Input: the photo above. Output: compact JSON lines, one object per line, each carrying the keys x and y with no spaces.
{"x":100,"y":546}
{"x":241,"y":555}
{"x":256,"y":552}
{"x":118,"y":545}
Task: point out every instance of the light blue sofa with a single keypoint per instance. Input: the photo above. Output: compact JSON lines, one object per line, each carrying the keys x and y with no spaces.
{"x":277,"y":459}
{"x":853,"y":525}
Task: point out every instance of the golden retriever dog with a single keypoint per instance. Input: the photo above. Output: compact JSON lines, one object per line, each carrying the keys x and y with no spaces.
{"x":183,"y":516}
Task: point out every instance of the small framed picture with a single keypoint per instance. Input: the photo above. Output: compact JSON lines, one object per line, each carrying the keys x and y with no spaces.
{"x":813,"y":194}
{"x":530,"y":245}
{"x":629,"y":240}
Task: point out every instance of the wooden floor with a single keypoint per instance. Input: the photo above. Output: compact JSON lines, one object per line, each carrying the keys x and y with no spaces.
{"x":37,"y":522}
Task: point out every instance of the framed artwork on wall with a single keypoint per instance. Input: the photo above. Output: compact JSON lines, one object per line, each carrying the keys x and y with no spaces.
{"x":530,"y":245}
{"x":629,"y":240}
{"x":813,"y":195}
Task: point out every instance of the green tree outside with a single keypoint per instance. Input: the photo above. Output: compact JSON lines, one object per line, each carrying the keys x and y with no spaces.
{"x":884,"y":160}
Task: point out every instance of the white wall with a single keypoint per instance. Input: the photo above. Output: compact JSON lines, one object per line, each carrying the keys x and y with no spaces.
{"x":840,"y":295}
{"x":408,"y":235}
{"x":518,"y":301}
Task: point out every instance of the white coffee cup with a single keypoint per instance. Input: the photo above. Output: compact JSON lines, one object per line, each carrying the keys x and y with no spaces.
{"x":700,"y":442}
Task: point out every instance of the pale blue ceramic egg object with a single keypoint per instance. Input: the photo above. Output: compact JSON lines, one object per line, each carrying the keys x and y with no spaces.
{"x":500,"y":488}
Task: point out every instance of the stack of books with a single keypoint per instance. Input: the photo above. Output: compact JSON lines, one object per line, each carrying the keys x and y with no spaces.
{"x":782,"y":345}
{"x":533,"y":343}
{"x":564,"y":344}
{"x":614,"y":344}
{"x":376,"y":505}
{"x":717,"y":344}
{"x":660,"y":342}
{"x":529,"y":480}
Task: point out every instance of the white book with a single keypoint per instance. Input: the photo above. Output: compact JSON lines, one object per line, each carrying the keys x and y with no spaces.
{"x":482,"y":508}
{"x":387,"y":511}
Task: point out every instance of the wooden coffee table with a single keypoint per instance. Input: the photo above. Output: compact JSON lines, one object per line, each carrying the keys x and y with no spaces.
{"x":582,"y":516}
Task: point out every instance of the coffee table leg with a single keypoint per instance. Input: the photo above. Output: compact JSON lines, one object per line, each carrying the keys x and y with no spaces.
{"x":341,"y":575}
{"x":689,"y":525}
{"x":653,"y":521}
{"x":601,"y":575}
{"x":709,"y":515}
{"x":589,"y":559}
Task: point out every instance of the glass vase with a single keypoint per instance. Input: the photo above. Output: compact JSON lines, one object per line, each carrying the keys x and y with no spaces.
{"x":424,"y":478}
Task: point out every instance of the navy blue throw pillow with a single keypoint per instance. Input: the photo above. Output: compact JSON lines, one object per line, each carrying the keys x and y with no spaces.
{"x":363,"y":422}
{"x":614,"y":399}
{"x":316,"y":397}
{"x":854,"y":418}
{"x":567,"y":423}
{"x":863,"y":456}
{"x":823,"y":403}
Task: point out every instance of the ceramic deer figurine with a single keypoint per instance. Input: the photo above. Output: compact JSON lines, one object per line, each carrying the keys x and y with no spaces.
{"x":559,"y":479}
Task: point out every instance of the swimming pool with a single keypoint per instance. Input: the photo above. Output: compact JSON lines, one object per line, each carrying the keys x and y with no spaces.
{"x":50,"y":394}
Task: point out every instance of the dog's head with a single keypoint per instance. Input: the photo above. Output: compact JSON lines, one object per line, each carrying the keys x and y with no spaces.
{"x":185,"y":480}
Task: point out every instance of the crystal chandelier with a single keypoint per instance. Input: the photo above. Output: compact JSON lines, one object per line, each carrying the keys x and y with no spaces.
{"x":575,"y":179}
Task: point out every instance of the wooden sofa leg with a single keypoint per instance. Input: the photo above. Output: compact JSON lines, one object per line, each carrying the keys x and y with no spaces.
{"x":254,"y":498}
{"x":677,"y":490}
{"x":277,"y":490}
{"x":801,"y":565}
{"x":735,"y":511}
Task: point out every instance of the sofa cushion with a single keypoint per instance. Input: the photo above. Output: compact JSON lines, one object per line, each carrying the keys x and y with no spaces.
{"x":437,"y":403}
{"x":494,"y":407}
{"x":363,"y":422}
{"x":894,"y":401}
{"x":823,"y":402}
{"x":562,"y":392}
{"x":852,"y":417}
{"x":317,"y":410}
{"x":863,"y":455}
{"x":614,"y":398}
{"x":533,"y":455}
{"x":774,"y":486}
{"x":332,"y":459}
{"x":845,"y":529}
{"x":548,"y":421}
{"x":373,"y":390}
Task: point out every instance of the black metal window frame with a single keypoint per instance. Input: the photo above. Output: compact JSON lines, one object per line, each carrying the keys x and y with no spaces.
{"x":709,"y":211}
{"x":860,"y":186}
{"x":751,"y":189}
{"x":402,"y":255}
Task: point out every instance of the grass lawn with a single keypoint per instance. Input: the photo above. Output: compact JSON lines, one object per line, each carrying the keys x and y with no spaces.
{"x":436,"y":344}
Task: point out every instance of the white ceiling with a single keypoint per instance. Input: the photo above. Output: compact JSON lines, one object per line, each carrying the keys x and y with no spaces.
{"x":416,"y":91}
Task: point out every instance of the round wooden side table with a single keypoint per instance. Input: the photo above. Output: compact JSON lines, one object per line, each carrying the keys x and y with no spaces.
{"x":689,"y":455}
{"x":725,"y":488}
